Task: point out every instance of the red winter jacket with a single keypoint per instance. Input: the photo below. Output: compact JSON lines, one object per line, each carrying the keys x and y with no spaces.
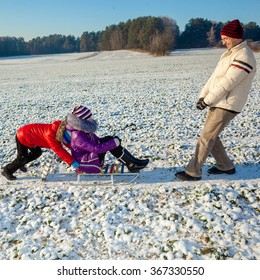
{"x":44,"y":136}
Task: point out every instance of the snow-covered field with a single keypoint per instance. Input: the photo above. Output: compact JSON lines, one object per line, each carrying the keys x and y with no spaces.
{"x":149,"y":102}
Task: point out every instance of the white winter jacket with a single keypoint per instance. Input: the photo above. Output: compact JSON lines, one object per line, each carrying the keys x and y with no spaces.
{"x":229,"y":85}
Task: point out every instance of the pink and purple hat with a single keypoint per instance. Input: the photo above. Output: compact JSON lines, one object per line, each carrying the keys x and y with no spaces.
{"x":82,"y":112}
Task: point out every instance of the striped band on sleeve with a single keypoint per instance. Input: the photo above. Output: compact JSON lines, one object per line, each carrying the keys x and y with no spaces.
{"x":242,"y":65}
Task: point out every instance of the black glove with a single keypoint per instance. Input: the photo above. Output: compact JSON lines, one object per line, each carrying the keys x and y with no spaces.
{"x":201,"y":105}
{"x":116,"y":137}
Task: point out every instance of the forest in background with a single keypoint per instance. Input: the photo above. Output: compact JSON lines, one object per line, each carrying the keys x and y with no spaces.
{"x":156,"y":35}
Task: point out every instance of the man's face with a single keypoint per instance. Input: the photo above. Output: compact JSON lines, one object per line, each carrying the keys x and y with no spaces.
{"x":227,"y":41}
{"x":230,"y":42}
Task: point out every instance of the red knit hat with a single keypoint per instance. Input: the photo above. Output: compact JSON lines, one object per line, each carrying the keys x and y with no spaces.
{"x":233,"y":29}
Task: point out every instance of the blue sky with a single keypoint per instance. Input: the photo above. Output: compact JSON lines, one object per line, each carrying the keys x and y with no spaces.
{"x":32,"y":18}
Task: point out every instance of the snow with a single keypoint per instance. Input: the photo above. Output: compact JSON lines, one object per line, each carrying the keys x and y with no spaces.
{"x":149,"y":102}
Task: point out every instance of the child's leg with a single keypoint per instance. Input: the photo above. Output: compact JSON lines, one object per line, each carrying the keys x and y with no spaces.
{"x":34,"y":154}
{"x":22,"y":155}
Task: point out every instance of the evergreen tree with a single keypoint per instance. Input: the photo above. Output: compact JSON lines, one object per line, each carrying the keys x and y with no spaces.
{"x":252,"y":31}
{"x":195,"y":34}
{"x":89,"y":41}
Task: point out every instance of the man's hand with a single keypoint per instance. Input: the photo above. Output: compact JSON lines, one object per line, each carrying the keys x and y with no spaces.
{"x":201,"y":105}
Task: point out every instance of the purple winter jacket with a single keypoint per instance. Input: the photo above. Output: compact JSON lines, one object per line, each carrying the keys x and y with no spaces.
{"x":85,"y":144}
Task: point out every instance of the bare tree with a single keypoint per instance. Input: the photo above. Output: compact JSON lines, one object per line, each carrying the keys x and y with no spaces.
{"x":212,"y":37}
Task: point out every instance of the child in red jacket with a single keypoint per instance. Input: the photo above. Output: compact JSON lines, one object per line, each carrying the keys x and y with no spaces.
{"x":31,"y":138}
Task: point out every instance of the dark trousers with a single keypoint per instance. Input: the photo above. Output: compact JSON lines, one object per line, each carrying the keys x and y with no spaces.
{"x":24,"y":155}
{"x":117,"y":152}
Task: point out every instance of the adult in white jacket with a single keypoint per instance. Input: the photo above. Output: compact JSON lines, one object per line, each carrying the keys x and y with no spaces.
{"x":225,"y":93}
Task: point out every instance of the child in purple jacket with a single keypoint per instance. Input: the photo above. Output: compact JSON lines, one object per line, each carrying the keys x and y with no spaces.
{"x":90,"y":150}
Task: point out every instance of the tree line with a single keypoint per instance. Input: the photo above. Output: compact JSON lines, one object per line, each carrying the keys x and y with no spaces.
{"x":157,"y":35}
